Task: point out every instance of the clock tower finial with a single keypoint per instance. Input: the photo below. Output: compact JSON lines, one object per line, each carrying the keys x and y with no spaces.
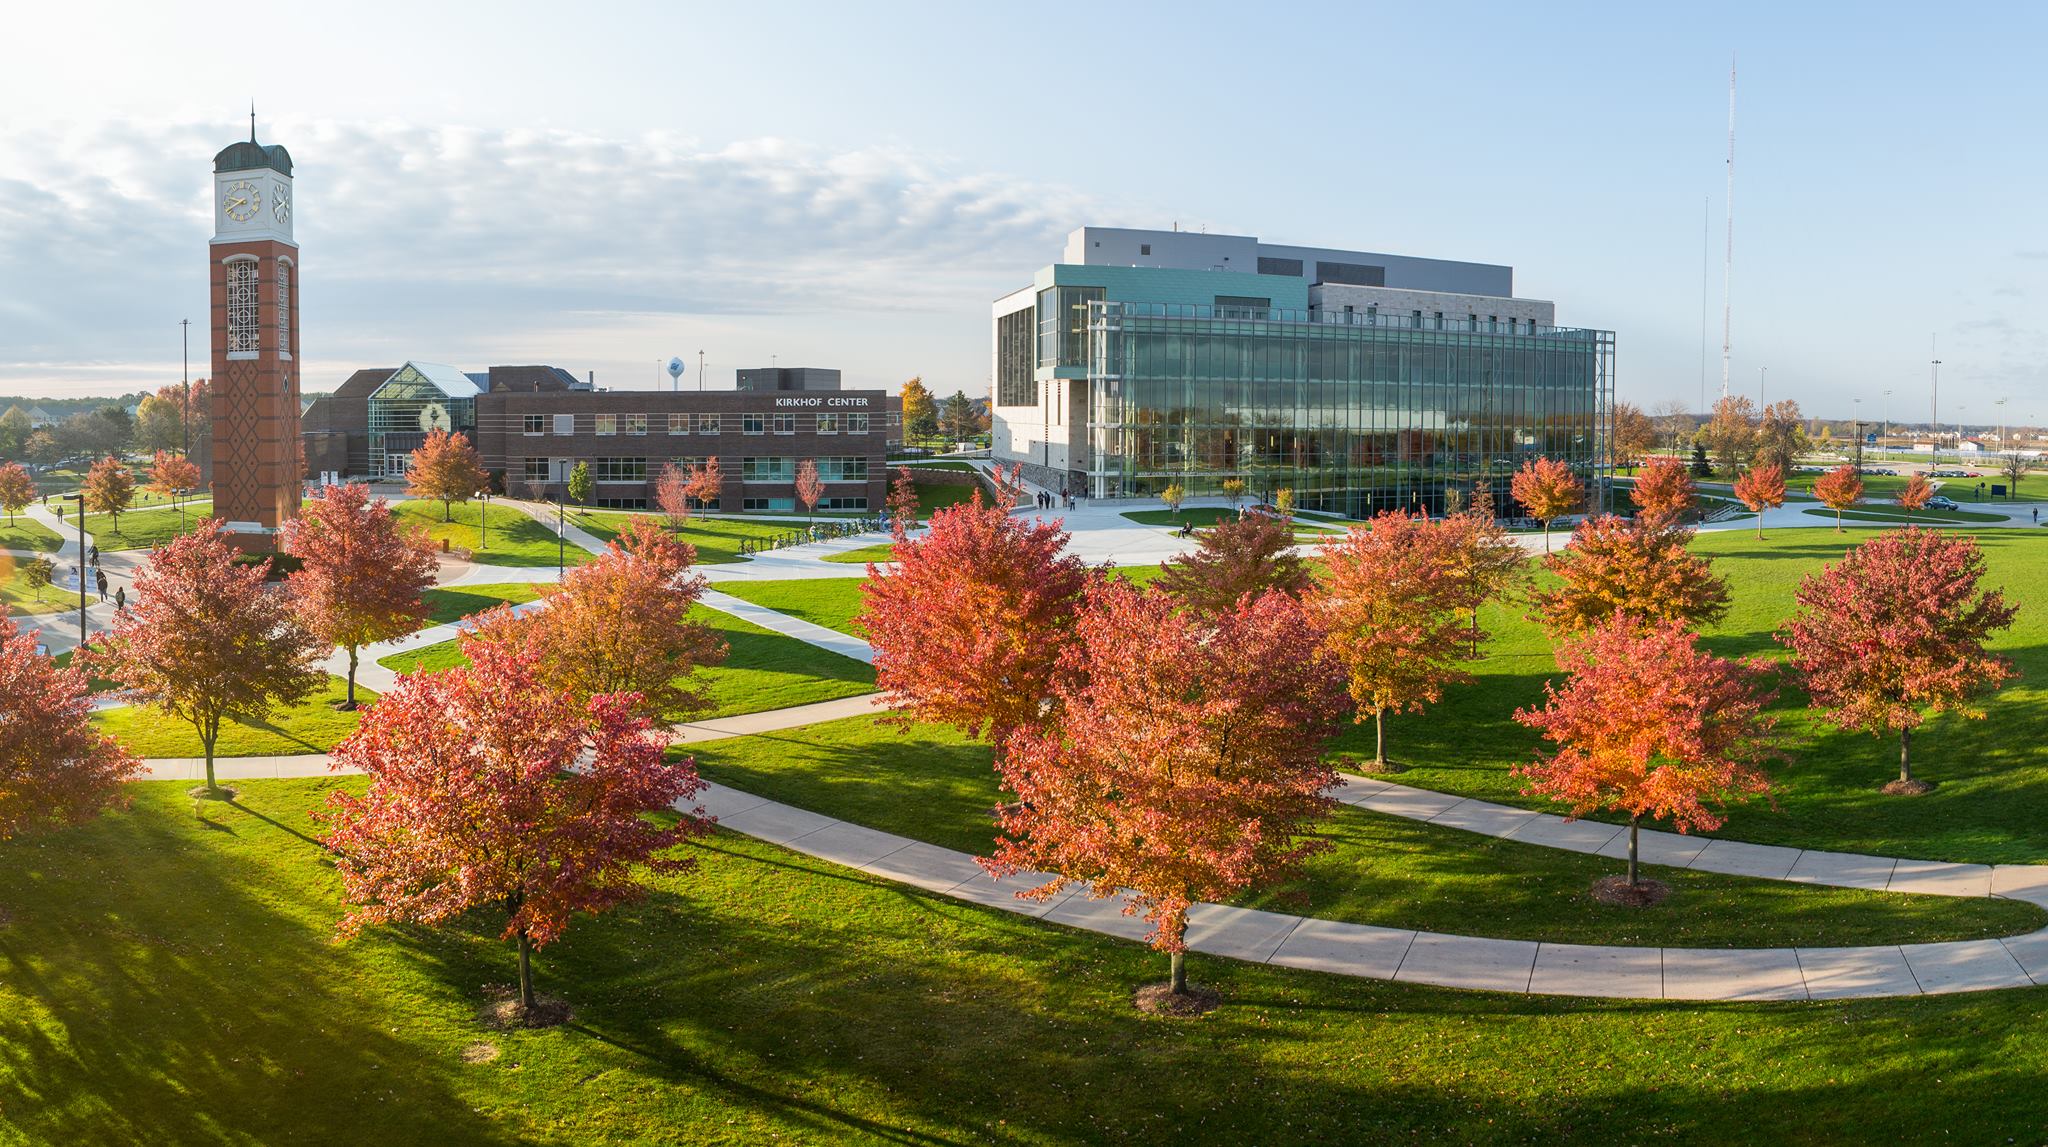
{"x":252,"y":121}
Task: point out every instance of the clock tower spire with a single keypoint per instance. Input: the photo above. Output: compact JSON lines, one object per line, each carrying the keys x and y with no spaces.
{"x":253,"y":275}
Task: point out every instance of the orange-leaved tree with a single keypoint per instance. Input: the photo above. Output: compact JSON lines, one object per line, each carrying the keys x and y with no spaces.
{"x":672,"y":495}
{"x":620,"y":625}
{"x":1548,"y":490}
{"x":1894,"y":632}
{"x":1620,"y":566}
{"x":172,"y":475}
{"x":361,"y":572}
{"x":1232,"y":558}
{"x":707,"y":483}
{"x":445,"y":467}
{"x":1838,"y":490}
{"x":903,"y":503}
{"x":109,"y":488}
{"x":1185,"y":760}
{"x":1663,"y":492}
{"x":809,"y":487}
{"x":1389,"y":610}
{"x":1652,"y":725}
{"x":491,"y":788}
{"x":1762,"y":488}
{"x":17,"y":489}
{"x":1484,"y":563}
{"x":1913,"y":496}
{"x":203,"y":640}
{"x":56,"y":767}
{"x":969,"y":624}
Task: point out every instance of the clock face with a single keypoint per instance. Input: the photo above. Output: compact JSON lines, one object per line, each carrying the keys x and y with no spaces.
{"x":434,"y":417}
{"x":280,"y":203}
{"x":239,"y":200}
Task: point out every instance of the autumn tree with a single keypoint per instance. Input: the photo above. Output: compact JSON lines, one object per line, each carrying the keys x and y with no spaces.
{"x":159,"y":425}
{"x":1633,"y":435}
{"x":1173,"y":496}
{"x":809,"y":487}
{"x":203,"y":640}
{"x":1389,"y":609}
{"x":491,"y":788}
{"x":1650,"y":724}
{"x":1762,"y":488}
{"x":1233,"y":488}
{"x":171,"y":476}
{"x":55,"y":767}
{"x":1483,"y":563}
{"x":920,"y":410}
{"x":1913,"y":496}
{"x":903,"y":503}
{"x":581,"y":487}
{"x":361,"y":572}
{"x":969,"y":623}
{"x":1731,"y":433}
{"x":1548,"y":490}
{"x":707,"y":483}
{"x":1283,"y":502}
{"x":445,"y":467}
{"x":672,"y":495}
{"x":109,"y":488}
{"x":1895,"y":632}
{"x":1663,"y":492}
{"x":620,"y":625}
{"x":1235,"y":557}
{"x":1617,"y":565}
{"x":1780,"y":437}
{"x":1838,"y":490}
{"x":37,"y":573}
{"x":1185,"y":763}
{"x":17,"y":489}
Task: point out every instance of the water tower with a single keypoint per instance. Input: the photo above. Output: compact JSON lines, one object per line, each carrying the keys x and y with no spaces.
{"x":675,"y":372}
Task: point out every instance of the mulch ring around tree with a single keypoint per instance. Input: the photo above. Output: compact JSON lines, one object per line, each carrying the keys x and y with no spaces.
{"x":223,"y":793}
{"x":1907,"y":788}
{"x":1160,"y":1000}
{"x":1641,"y":894}
{"x":502,"y":1011}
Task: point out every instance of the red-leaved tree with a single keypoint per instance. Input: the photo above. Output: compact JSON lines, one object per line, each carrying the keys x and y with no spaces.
{"x":1389,"y":609}
{"x":1232,"y":558}
{"x":172,"y":475}
{"x":17,"y":489}
{"x":1895,"y":632}
{"x":1914,"y":495}
{"x":445,"y":467}
{"x":109,"y":488}
{"x":1650,"y":724}
{"x":969,"y":624}
{"x":1616,"y":565}
{"x":672,"y":495}
{"x":1839,"y":489}
{"x":1663,"y":492}
{"x":203,"y":640}
{"x":1185,"y":762}
{"x":1548,"y":489}
{"x":1762,"y":488}
{"x":55,"y":768}
{"x":903,"y":503}
{"x":809,"y":487}
{"x":707,"y":483}
{"x":491,"y":788}
{"x":361,"y":572}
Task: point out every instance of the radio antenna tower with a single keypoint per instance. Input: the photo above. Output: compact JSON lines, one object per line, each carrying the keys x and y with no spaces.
{"x":1728,"y":259}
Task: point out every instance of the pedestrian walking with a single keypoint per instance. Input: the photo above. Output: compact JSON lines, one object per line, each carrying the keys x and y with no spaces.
{"x":102,"y":576}
{"x":93,"y":555}
{"x":121,"y":599}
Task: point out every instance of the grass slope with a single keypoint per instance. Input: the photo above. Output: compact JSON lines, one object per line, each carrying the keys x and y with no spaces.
{"x":312,"y":726}
{"x":717,"y":539}
{"x":516,"y":540}
{"x":930,"y":784}
{"x":448,"y":605}
{"x":170,"y":979}
{"x":146,"y":529}
{"x":881,"y":552}
{"x":28,"y":534}
{"x":1884,"y":513}
{"x":832,"y":602}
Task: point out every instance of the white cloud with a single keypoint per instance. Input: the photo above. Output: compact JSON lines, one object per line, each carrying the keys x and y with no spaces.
{"x":455,"y":239}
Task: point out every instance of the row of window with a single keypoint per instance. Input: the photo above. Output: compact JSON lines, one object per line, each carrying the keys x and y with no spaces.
{"x":788,"y":505}
{"x":609,"y":425}
{"x":840,"y":469}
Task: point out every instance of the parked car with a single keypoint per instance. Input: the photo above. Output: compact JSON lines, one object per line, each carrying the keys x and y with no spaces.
{"x":1938,"y":502}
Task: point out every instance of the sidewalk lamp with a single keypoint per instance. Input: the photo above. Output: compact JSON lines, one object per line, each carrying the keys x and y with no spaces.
{"x":561,"y":538}
{"x":483,"y":518}
{"x":80,"y":499}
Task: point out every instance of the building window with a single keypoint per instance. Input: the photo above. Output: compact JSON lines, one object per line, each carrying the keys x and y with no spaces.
{"x":678,"y":424}
{"x":752,"y":423}
{"x":636,"y":423}
{"x":565,"y":425}
{"x":853,"y":502}
{"x":708,"y":424}
{"x":768,"y":470}
{"x":619,"y":469}
{"x":856,"y":424}
{"x":534,"y":424}
{"x":607,"y":425}
{"x":621,"y":503}
{"x":843,"y":469}
{"x":828,"y":424}
{"x":1144,"y":248}
{"x":1013,"y":358}
{"x":785,"y":424}
{"x":284,"y":309}
{"x":242,"y":307}
{"x":768,"y":505}
{"x":535,"y":470}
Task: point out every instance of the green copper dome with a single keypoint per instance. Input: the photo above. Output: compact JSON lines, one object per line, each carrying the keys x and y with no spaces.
{"x":248,"y":155}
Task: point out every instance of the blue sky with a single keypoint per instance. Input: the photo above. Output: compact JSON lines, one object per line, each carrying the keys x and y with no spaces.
{"x":849,"y":185}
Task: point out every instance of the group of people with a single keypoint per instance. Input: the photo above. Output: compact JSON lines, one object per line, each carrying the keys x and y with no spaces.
{"x":1065,"y":500}
{"x":99,"y":576}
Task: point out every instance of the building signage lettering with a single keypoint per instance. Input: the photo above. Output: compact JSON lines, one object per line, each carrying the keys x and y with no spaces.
{"x":821,"y":402}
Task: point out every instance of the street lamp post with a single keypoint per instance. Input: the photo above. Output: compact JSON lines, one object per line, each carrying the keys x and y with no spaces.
{"x":561,"y":538}
{"x":1884,"y":428}
{"x":483,"y":518}
{"x":80,"y":499}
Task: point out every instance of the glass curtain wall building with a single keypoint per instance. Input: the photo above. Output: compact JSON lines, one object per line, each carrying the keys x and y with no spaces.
{"x":1358,"y":397}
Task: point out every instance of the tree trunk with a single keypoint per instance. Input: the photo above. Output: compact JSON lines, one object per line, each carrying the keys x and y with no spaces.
{"x":1546,"y":535}
{"x":525,"y":973}
{"x":1177,"y":964}
{"x":447,"y":511}
{"x":1838,"y":520}
{"x":1905,"y":755}
{"x":1379,"y":738}
{"x":351,"y":702}
{"x":1634,"y":847}
{"x":1759,"y":525}
{"x":208,"y":739}
{"x":1475,"y":631}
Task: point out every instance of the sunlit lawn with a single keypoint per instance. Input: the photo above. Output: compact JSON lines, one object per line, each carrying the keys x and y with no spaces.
{"x":311,"y":726}
{"x":446,"y":605}
{"x":515,"y":540}
{"x":27,"y":534}
{"x":146,"y":529}
{"x":717,"y":539}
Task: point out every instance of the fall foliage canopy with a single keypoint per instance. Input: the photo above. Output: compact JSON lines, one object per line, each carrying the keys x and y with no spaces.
{"x":55,"y":767}
{"x":361,"y":573}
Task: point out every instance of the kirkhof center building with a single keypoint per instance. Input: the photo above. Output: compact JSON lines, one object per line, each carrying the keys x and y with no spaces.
{"x":1361,"y":381}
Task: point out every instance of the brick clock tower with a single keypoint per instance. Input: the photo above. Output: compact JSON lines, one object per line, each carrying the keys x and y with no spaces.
{"x":253,"y":272}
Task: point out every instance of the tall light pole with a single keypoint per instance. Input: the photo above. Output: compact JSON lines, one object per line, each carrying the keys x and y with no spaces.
{"x":1884,"y":428}
{"x":700,"y":371}
{"x":185,"y":375}
{"x":2003,"y":446}
{"x":1934,"y":394}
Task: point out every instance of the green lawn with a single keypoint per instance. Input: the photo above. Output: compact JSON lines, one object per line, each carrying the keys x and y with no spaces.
{"x":312,"y":726}
{"x":168,"y":978}
{"x":27,"y":534}
{"x":831,"y":602}
{"x":880,"y":552}
{"x":1203,"y":516}
{"x":947,"y":464}
{"x":933,"y":497}
{"x":1883,"y":513}
{"x":146,"y":529}
{"x":516,"y":540}
{"x":930,"y":784}
{"x":447,"y":605}
{"x":763,"y":670}
{"x":16,"y":597}
{"x":717,"y":539}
